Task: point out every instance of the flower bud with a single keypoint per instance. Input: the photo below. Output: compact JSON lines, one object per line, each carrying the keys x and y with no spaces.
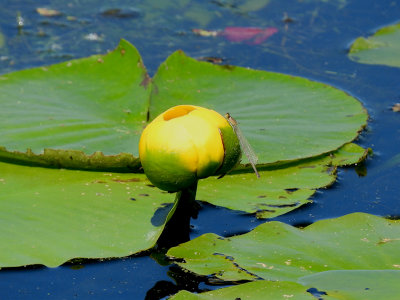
{"x":187,"y":143}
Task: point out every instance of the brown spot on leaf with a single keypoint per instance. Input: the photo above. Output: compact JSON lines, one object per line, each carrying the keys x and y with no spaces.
{"x":228,"y":67}
{"x":284,"y":205}
{"x":146,"y":80}
{"x":307,"y":167}
{"x":99,"y":181}
{"x":386,"y":240}
{"x":126,"y":180}
{"x":144,"y":195}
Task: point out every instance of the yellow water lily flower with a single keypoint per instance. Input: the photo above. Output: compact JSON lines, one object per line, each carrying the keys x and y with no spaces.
{"x":187,"y":143}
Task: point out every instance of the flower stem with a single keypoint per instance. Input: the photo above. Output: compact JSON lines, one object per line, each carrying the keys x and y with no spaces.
{"x":177,"y":229}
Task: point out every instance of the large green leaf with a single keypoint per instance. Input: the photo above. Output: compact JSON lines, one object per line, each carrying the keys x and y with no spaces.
{"x":87,"y":105}
{"x":277,"y":251}
{"x":253,"y":290}
{"x":277,"y":113}
{"x":49,"y":216}
{"x":89,"y":113}
{"x":382,"y":48}
{"x":358,"y":284}
{"x":280,"y":188}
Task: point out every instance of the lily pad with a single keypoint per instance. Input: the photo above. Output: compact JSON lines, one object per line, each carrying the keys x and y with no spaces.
{"x":382,"y":48}
{"x":261,"y":289}
{"x":49,"y":216}
{"x":277,"y":113}
{"x":89,"y":113}
{"x":277,"y":251}
{"x":64,"y":114}
{"x":358,"y":284}
{"x":279,"y":189}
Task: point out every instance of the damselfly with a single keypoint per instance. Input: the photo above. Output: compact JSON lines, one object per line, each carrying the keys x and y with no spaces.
{"x":244,"y":144}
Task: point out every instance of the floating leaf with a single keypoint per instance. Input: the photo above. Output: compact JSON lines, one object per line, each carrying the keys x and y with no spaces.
{"x":49,"y":216}
{"x":277,"y":251}
{"x":277,"y":113}
{"x":252,"y":35}
{"x":356,"y":284}
{"x":47,"y":12}
{"x":382,"y":48}
{"x":261,"y":289}
{"x":86,"y":106}
{"x":89,"y":113}
{"x":279,"y":189}
{"x":359,"y":284}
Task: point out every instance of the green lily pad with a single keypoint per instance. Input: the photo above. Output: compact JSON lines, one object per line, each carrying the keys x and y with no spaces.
{"x":49,"y":216}
{"x":382,"y":48}
{"x":358,"y":284}
{"x":261,"y":289}
{"x":279,"y":189}
{"x":64,"y":114}
{"x":277,"y":113}
{"x":277,"y":251}
{"x":89,"y":113}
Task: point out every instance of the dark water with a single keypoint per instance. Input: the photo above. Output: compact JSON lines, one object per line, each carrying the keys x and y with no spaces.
{"x":314,"y":45}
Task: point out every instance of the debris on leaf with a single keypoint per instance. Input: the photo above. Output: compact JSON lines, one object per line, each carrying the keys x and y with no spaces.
{"x":396,"y":107}
{"x":251,"y":35}
{"x":212,"y":59}
{"x":47,"y":12}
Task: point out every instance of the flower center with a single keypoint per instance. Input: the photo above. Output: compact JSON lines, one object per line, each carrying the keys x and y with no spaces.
{"x":177,"y":111}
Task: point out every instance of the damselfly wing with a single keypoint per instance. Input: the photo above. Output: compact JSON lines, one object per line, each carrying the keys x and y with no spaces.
{"x":244,"y":144}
